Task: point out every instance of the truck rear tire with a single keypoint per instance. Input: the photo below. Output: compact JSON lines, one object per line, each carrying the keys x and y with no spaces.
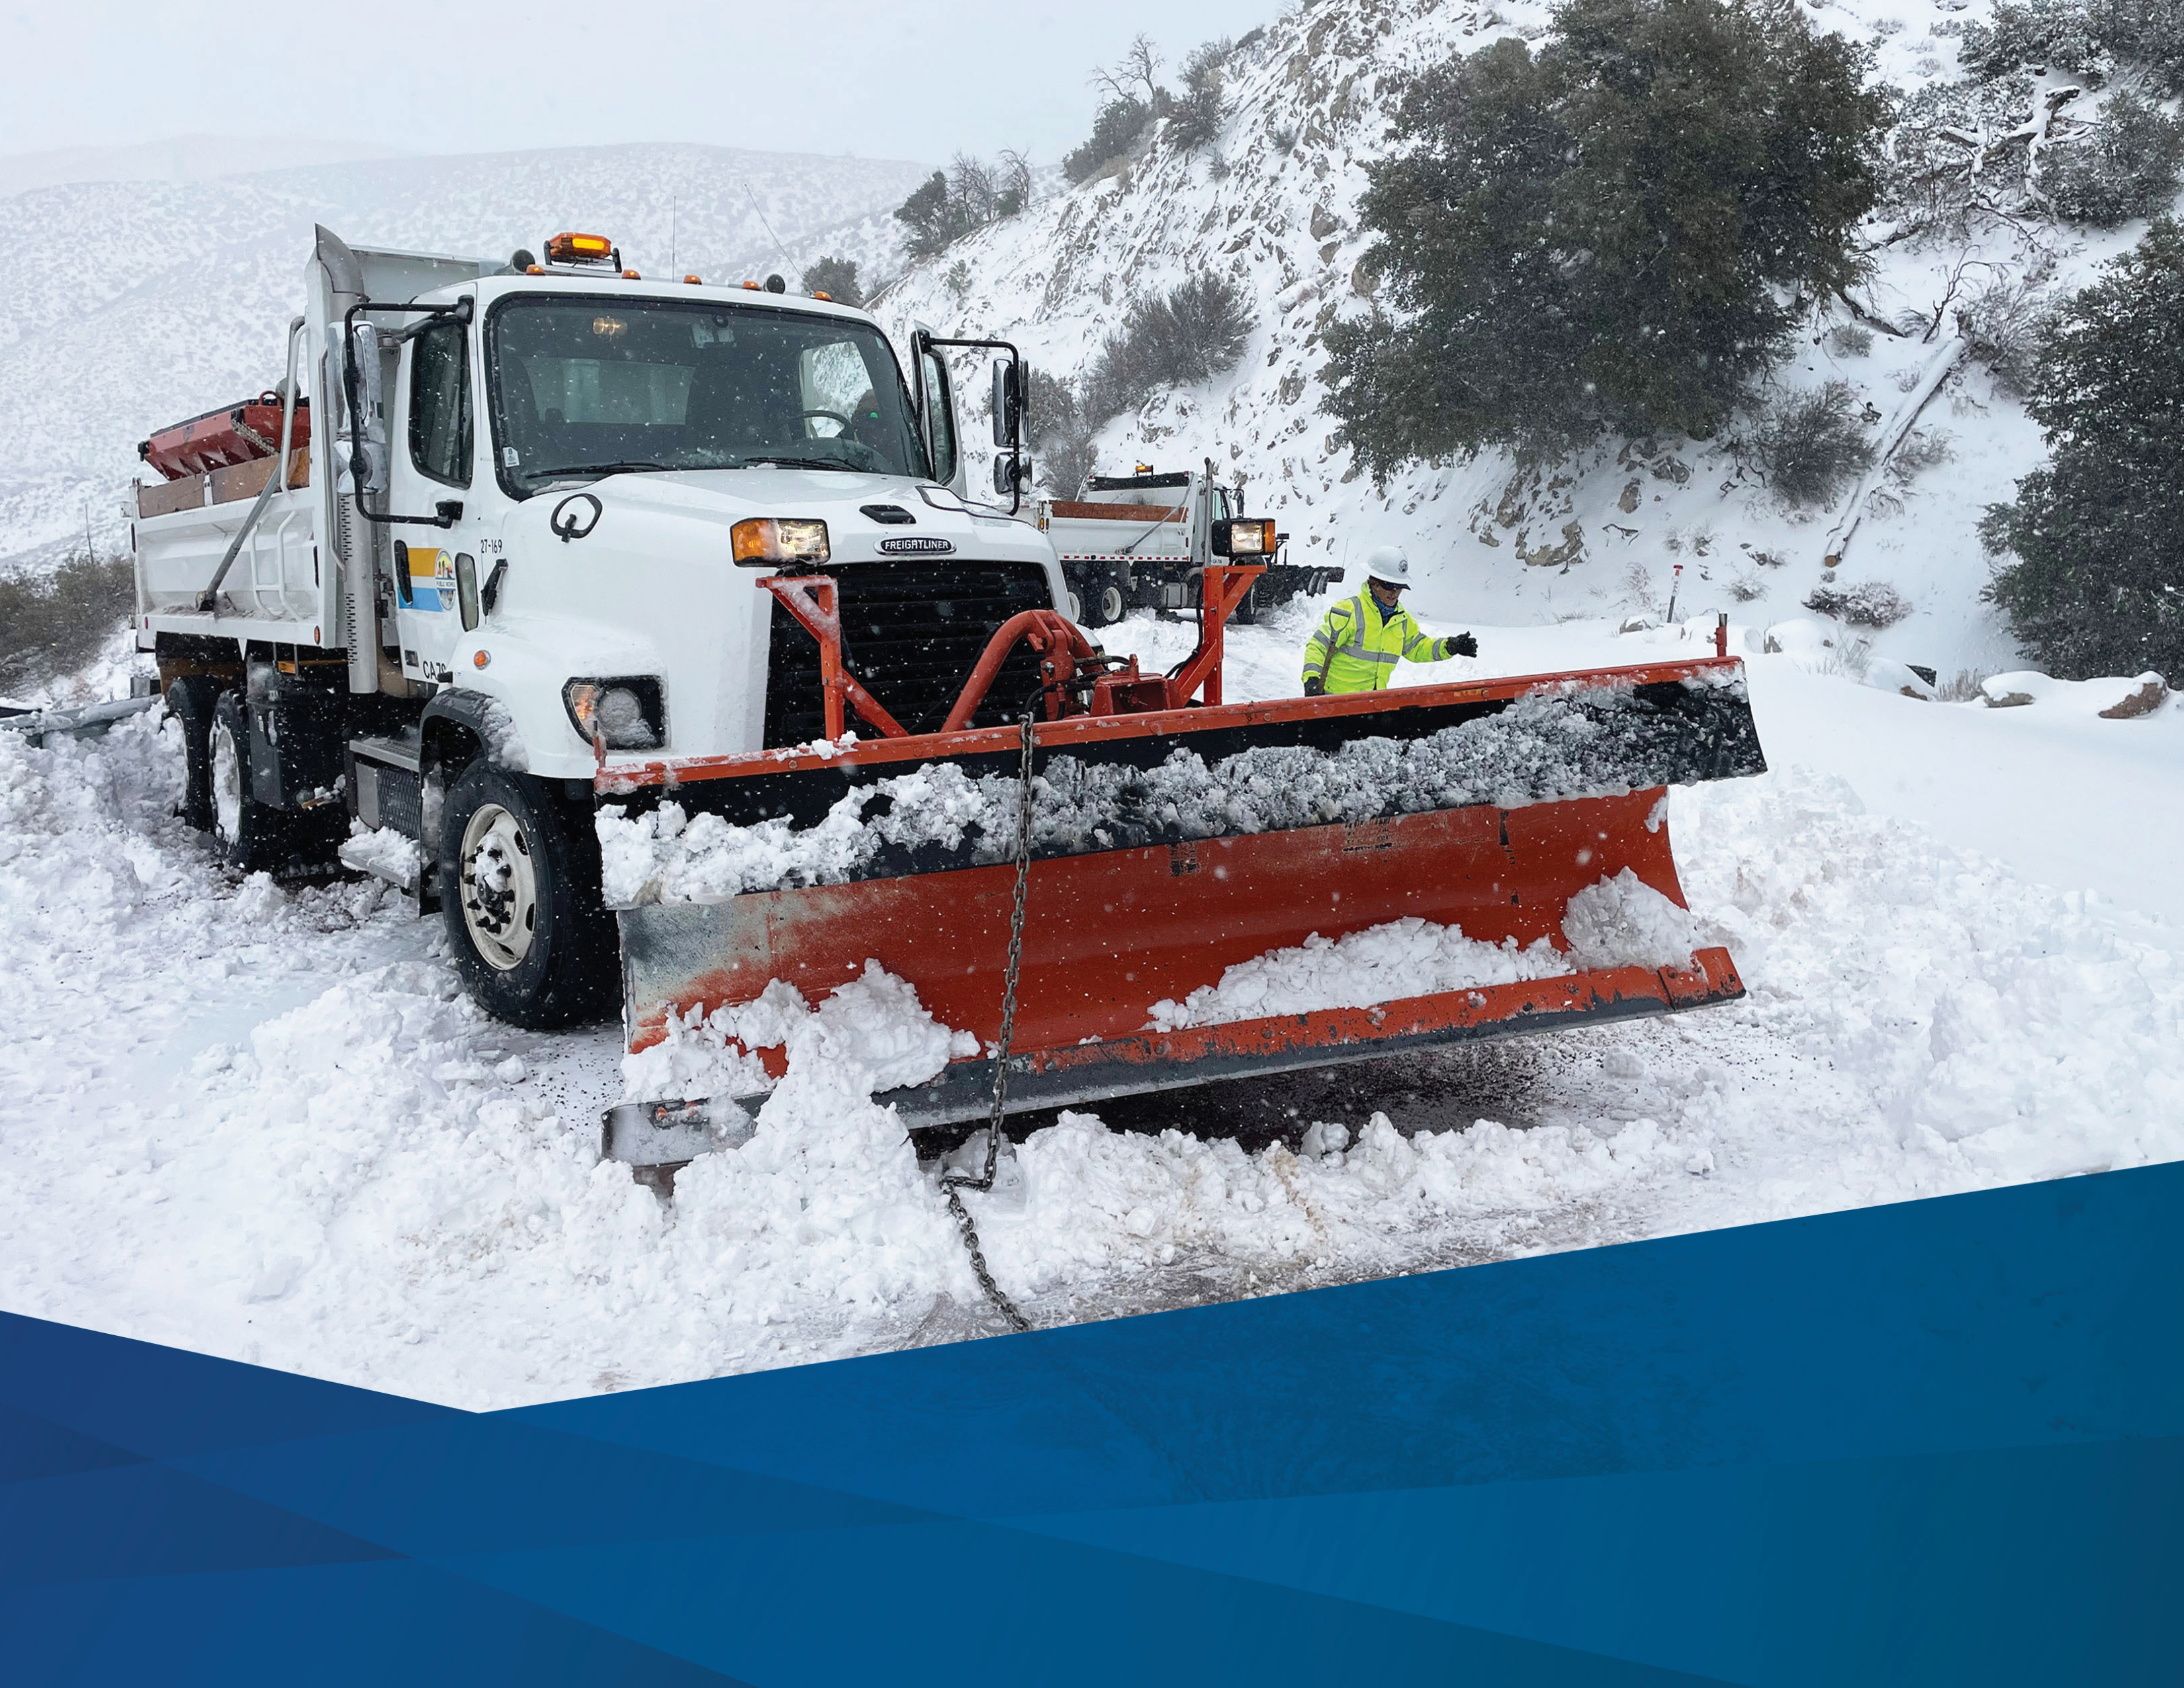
{"x":1247,"y":613}
{"x":190,"y":700}
{"x":520,"y":891}
{"x":248,"y":834}
{"x":1102,"y":602}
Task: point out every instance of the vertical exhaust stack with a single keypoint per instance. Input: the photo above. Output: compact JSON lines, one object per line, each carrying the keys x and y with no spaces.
{"x":336,"y":288}
{"x":1174,"y":839}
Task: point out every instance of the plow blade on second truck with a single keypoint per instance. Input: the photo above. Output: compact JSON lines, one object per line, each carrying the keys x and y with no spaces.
{"x":1167,"y":847}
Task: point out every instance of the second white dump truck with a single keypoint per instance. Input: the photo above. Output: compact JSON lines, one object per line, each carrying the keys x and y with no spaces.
{"x":493,"y":533}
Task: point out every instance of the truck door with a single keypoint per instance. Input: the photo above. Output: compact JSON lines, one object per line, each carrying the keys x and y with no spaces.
{"x":435,"y":573}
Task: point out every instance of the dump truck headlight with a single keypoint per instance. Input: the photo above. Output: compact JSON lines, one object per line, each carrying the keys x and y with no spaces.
{"x":1252,"y":539}
{"x":764,"y":539}
{"x":626,"y":714}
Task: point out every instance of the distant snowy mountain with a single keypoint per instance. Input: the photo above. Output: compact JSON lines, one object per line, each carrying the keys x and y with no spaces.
{"x":133,"y":304}
{"x":1273,"y":203}
{"x":181,"y":158}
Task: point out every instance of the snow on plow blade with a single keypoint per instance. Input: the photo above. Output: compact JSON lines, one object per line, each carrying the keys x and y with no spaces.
{"x":1167,"y":847}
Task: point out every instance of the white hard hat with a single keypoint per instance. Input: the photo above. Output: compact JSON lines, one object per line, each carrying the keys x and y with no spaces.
{"x":1387,"y":563}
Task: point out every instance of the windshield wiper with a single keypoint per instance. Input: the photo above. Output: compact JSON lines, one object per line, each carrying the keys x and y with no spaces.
{"x":807,"y":463}
{"x":578,"y":471}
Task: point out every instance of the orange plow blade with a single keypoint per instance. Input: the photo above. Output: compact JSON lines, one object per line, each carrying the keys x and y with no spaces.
{"x":1170,"y":848}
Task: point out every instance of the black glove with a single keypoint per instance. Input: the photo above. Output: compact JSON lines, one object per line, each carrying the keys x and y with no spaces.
{"x":1314,"y":687}
{"x":1463,"y":645}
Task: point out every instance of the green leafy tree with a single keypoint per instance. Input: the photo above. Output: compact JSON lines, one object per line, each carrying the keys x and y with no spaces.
{"x":2098,"y":584}
{"x":1611,"y":236}
{"x":836,"y":278}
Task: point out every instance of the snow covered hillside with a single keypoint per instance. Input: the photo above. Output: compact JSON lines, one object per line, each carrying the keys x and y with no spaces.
{"x":132,"y":304}
{"x":293,"y":1142}
{"x":1272,"y":203}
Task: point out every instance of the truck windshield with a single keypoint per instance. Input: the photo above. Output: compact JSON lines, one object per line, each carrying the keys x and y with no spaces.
{"x":582,"y":387}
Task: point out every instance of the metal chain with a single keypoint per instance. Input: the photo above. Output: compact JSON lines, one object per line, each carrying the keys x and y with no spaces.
{"x":954,"y":1183}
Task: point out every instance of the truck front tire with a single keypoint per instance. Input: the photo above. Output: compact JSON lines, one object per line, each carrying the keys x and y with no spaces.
{"x":248,"y":834}
{"x":519,"y":890}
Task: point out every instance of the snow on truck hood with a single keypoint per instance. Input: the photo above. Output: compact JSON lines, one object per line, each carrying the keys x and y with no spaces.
{"x":727,"y":496}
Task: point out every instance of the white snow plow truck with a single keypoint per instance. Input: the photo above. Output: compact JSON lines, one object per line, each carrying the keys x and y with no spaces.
{"x":648,"y":629}
{"x":1142,"y":541}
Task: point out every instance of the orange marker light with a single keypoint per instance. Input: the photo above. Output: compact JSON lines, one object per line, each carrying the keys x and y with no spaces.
{"x":693,"y":280}
{"x":752,"y":285}
{"x":631,"y":276}
{"x":829,"y":298}
{"x":479,"y":659}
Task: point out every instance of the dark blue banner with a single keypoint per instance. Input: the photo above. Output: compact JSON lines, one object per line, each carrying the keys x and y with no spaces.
{"x":1935,"y":1443}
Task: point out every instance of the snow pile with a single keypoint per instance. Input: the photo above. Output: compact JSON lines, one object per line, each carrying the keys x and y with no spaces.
{"x":2113,"y":697}
{"x":1992,"y":1030}
{"x":1624,"y":922}
{"x":827,"y":1197}
{"x":1549,"y":745}
{"x":1409,"y":957}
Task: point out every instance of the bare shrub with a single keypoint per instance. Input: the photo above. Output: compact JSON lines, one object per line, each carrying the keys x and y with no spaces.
{"x":1810,"y":445}
{"x":2003,"y":323}
{"x":51,"y":625}
{"x":1194,"y":114}
{"x":1870,"y":603}
{"x":1745,"y":585}
{"x":1921,"y":449}
{"x":1850,"y":340}
{"x":1188,"y":335}
{"x":1061,"y":435}
{"x":1961,"y":687}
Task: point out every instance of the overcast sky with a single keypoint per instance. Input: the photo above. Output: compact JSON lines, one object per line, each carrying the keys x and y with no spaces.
{"x":896,"y":80}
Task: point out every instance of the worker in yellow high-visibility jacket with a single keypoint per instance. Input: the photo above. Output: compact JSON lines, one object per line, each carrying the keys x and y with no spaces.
{"x":1361,"y":638}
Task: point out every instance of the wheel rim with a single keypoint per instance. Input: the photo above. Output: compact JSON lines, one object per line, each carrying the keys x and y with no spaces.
{"x":1111,"y":604}
{"x":1076,"y":607}
{"x":226,"y":784}
{"x":498,"y":887}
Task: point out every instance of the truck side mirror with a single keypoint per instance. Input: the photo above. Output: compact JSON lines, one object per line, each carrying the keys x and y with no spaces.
{"x":1011,"y":472}
{"x":366,"y":397}
{"x":1008,"y":405}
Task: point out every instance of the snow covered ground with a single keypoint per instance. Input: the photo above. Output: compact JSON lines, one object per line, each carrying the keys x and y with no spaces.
{"x":257,"y":1119}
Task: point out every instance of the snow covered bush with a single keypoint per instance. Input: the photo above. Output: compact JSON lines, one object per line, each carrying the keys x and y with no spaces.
{"x":2125,"y":167}
{"x":2002,"y":324}
{"x":1541,"y":299}
{"x":1810,"y":445}
{"x":1849,"y":340}
{"x":1190,"y":334}
{"x":2087,"y":38}
{"x":2097,"y":586}
{"x":1870,"y":603}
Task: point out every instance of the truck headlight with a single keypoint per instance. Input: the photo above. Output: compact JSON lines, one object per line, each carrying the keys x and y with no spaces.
{"x":1251,"y":538}
{"x":626,"y":714}
{"x":765,"y":539}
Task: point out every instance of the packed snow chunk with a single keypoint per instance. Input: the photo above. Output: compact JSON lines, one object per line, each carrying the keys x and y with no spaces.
{"x":1624,"y":922}
{"x":383,"y":853}
{"x":1559,"y":743}
{"x":258,"y":899}
{"x":1887,"y":674}
{"x":1407,"y":957}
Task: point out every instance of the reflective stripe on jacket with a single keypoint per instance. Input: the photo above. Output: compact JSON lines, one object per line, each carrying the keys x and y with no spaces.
{"x":1359,"y":644}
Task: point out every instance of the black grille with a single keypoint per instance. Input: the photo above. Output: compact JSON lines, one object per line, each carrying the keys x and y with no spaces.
{"x":911,"y":632}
